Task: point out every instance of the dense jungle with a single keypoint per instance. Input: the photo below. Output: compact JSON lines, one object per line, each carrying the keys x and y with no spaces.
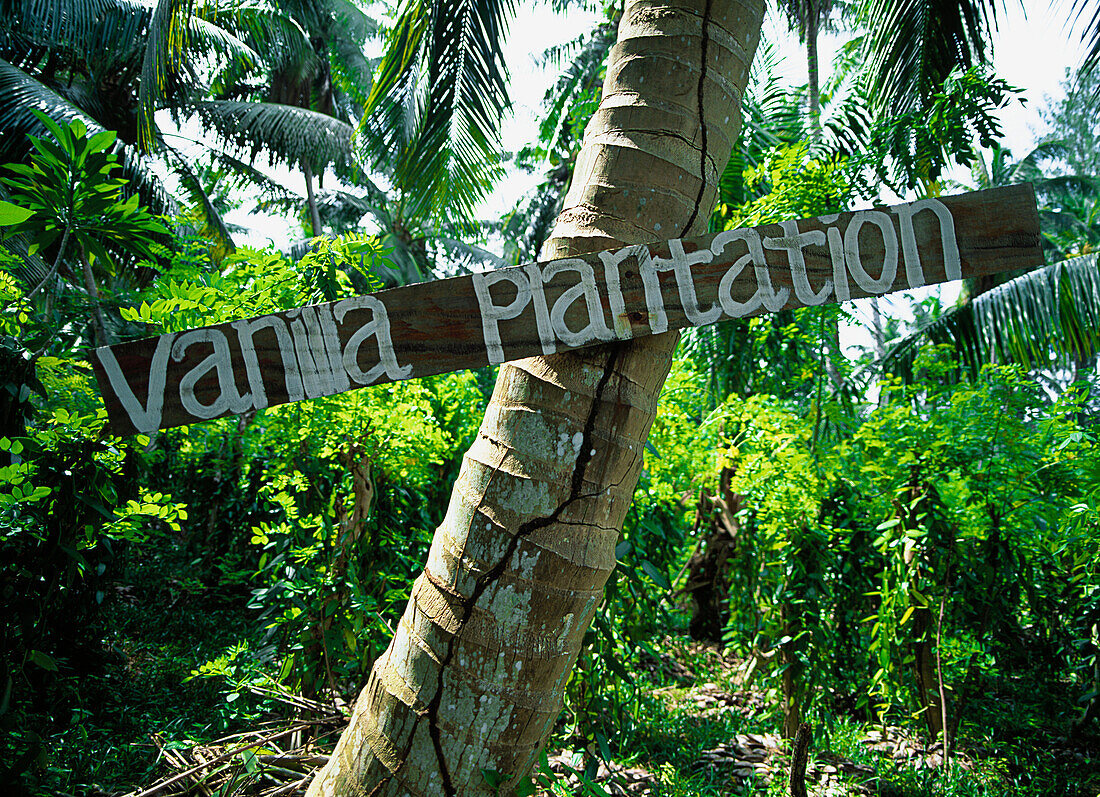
{"x":862,"y":555}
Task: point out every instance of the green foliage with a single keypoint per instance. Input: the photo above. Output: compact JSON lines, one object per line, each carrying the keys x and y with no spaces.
{"x":910,"y":151}
{"x":789,"y":184}
{"x":70,"y":187}
{"x":251,"y":282}
{"x":432,"y":119}
{"x":336,"y":498}
{"x":65,"y":510}
{"x":1041,"y":320}
{"x":1072,"y":118}
{"x":947,"y":498}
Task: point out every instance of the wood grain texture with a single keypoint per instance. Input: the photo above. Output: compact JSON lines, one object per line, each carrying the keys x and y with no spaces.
{"x":505,"y":315}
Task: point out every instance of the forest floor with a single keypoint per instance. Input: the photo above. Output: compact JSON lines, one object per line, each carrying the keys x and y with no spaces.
{"x":175,"y":704}
{"x":702,"y":731}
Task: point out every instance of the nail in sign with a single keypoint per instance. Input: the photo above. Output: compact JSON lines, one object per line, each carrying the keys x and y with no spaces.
{"x":542,"y":308}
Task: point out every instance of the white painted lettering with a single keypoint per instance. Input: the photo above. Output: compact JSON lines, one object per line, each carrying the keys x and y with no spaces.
{"x":245,"y":332}
{"x":611,"y":261}
{"x":312,"y":361}
{"x":219,"y":360}
{"x":792,"y":243}
{"x":379,"y":328}
{"x":542,"y":315}
{"x":654,"y":299}
{"x":914,"y":270}
{"x":889,"y":246}
{"x":330,"y":338}
{"x":841,"y":287}
{"x":680,"y":262}
{"x":145,"y":419}
{"x":492,"y":314}
{"x":596,"y":328}
{"x":754,"y":254}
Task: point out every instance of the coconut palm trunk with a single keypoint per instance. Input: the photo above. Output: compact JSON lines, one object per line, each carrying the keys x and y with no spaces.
{"x":473,"y":679}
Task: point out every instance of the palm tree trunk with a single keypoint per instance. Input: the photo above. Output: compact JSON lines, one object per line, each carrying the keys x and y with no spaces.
{"x":813,"y":76}
{"x":311,"y":200}
{"x":98,"y":322}
{"x":474,"y":676}
{"x":876,"y":330}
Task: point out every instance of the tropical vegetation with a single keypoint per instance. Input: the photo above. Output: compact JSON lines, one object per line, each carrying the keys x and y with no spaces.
{"x":894,"y":547}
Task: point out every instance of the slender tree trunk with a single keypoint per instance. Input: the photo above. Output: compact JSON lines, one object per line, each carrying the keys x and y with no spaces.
{"x":921,"y":625}
{"x":924,"y":665}
{"x":812,"y":70}
{"x":98,"y":322}
{"x":311,"y":201}
{"x":877,"y":331}
{"x":473,"y":679}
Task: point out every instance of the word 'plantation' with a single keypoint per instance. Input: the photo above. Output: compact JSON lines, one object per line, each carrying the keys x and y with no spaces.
{"x":541,"y":308}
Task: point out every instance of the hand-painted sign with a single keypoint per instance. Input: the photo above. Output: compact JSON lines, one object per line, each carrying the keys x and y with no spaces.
{"x":468,"y":322}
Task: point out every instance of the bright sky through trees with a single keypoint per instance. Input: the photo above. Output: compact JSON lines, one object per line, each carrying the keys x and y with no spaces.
{"x":1032,"y":49}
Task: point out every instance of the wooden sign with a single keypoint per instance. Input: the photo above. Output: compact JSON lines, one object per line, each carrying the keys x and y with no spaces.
{"x":541,"y":308}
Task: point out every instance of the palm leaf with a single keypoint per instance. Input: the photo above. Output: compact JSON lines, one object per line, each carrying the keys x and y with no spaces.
{"x":215,"y":38}
{"x":290,"y":135}
{"x":19,"y":93}
{"x":432,"y":119}
{"x":143,"y":180}
{"x":1091,"y":34}
{"x":351,"y":69}
{"x":1046,"y":318}
{"x":577,"y":82}
{"x":165,"y":43}
{"x":460,"y":257}
{"x":88,"y":31}
{"x":193,"y":186}
{"x":915,"y":44}
{"x":278,"y":37}
{"x":770,"y":115}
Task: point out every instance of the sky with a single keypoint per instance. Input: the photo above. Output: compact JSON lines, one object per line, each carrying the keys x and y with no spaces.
{"x":1032,"y":48}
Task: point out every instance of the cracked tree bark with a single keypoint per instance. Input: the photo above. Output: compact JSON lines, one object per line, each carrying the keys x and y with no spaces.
{"x":474,"y":676}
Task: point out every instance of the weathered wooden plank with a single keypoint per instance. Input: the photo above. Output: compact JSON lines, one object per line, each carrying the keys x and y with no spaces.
{"x":540,"y":308}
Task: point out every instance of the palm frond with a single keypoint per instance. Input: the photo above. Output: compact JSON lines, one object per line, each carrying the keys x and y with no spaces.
{"x":770,"y":115}
{"x":432,"y":119}
{"x":351,"y":68}
{"x":915,"y":44}
{"x":194,"y":188}
{"x":214,"y":38}
{"x":1091,"y":34}
{"x":87,"y":31}
{"x":1046,"y":318}
{"x":578,"y":82}
{"x":19,"y":93}
{"x":162,"y":63}
{"x":845,"y":126}
{"x":290,"y":135}
{"x":529,"y":224}
{"x":460,"y":257}
{"x":246,"y":174}
{"x":344,"y":210}
{"x":467,"y":74}
{"x":269,"y":31}
{"x":142,"y":179}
